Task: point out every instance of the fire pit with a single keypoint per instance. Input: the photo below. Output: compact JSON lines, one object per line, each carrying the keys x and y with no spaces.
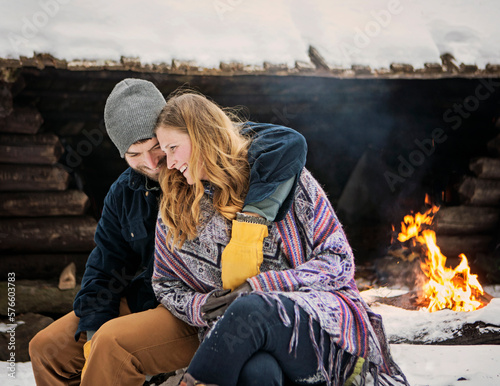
{"x":445,"y":288}
{"x":444,"y":327}
{"x":444,"y":305}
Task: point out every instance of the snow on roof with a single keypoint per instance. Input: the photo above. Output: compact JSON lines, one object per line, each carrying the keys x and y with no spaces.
{"x":257,"y":35}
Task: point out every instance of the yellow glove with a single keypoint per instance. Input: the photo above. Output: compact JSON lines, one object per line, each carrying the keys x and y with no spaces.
{"x":243,"y":255}
{"x":86,"y":354}
{"x":354,"y":379}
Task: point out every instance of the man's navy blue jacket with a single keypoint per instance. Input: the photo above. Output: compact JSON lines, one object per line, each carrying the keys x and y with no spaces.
{"x":121,"y":264}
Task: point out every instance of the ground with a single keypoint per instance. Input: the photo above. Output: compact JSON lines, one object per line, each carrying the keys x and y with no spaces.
{"x":424,"y":365}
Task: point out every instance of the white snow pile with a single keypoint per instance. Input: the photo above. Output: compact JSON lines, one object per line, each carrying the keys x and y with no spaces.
{"x":375,"y":33}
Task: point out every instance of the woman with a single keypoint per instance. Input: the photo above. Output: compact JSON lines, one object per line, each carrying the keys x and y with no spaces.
{"x":298,"y":317}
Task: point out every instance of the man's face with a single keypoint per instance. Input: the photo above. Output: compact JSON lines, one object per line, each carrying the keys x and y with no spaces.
{"x":146,"y":158}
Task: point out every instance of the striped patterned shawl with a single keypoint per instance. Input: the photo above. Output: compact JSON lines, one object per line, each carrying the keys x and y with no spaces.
{"x":306,"y":258}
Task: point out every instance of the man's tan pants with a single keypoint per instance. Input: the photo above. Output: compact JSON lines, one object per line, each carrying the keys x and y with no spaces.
{"x":124,"y":350}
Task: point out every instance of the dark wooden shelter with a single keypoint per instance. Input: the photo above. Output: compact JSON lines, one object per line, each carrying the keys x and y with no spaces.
{"x":379,"y":141}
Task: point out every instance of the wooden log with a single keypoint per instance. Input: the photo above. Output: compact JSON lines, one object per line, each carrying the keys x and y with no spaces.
{"x":486,"y":168}
{"x":40,"y":296}
{"x":467,"y":334}
{"x":414,"y":300}
{"x":394,"y":272}
{"x":5,"y":101}
{"x":28,"y":325}
{"x":9,"y":70}
{"x":40,"y":149}
{"x":401,"y":68}
{"x":494,"y":146}
{"x":41,"y":266}
{"x":47,"y":234}
{"x":476,"y":191}
{"x":317,"y":59}
{"x":41,"y":204}
{"x":453,"y":245}
{"x":23,"y":120}
{"x":466,"y":220}
{"x":17,"y":84}
{"x":67,"y":279}
{"x":32,"y":178}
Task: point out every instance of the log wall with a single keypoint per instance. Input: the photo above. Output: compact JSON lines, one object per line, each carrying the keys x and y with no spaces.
{"x":473,"y":226}
{"x":370,"y":125}
{"x":44,"y":217}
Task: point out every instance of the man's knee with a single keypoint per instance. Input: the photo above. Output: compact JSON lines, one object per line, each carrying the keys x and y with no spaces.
{"x":113,"y":332}
{"x":45,"y":346}
{"x":105,"y":335}
{"x":37,"y":342}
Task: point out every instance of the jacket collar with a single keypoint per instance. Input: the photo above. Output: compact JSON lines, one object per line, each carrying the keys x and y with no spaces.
{"x":137,"y":181}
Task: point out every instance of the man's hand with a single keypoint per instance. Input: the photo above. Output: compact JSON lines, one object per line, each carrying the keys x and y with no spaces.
{"x":219,"y":301}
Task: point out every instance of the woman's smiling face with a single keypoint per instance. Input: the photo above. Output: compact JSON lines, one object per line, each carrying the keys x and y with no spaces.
{"x":177,"y":147}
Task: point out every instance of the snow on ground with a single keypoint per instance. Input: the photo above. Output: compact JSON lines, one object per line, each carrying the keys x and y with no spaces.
{"x":375,"y":33}
{"x":23,"y":375}
{"x":426,"y":365}
{"x":440,"y":365}
{"x":423,"y":365}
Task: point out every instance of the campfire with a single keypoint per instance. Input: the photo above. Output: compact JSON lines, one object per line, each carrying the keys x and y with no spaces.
{"x":445,"y":288}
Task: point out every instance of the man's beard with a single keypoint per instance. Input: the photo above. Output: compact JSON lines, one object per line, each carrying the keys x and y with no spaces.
{"x":145,"y":171}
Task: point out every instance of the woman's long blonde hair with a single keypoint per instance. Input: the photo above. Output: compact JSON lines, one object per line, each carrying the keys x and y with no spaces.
{"x":218,"y":149}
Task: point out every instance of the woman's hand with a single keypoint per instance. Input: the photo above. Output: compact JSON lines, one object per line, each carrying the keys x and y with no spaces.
{"x":219,"y":301}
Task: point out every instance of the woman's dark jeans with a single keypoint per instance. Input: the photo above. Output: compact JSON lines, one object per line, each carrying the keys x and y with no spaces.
{"x":250,"y":346}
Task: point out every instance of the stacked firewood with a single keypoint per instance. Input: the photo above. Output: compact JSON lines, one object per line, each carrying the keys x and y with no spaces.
{"x":43,"y":221}
{"x":472,"y":227}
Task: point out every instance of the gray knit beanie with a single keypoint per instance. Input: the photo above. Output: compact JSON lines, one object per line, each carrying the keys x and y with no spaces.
{"x":131,"y":112}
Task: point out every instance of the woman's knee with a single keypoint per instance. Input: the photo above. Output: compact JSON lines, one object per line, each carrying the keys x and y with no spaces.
{"x":261,"y":369}
{"x":251,"y":305}
{"x":255,"y":311}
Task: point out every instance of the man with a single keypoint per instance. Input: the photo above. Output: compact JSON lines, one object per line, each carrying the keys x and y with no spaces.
{"x":134,"y":335}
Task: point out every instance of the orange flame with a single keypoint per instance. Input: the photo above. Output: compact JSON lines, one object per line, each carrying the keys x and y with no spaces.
{"x":456,"y":289}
